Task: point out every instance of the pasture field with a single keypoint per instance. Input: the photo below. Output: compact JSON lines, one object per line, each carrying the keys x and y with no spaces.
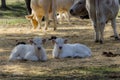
{"x":14,"y":26}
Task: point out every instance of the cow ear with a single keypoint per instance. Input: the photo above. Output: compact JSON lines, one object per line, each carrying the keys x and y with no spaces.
{"x":43,"y":41}
{"x":65,"y":41}
{"x":29,"y":17}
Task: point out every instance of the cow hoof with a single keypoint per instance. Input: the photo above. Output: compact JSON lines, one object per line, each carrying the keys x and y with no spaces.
{"x":40,"y":28}
{"x":54,"y":29}
{"x":96,"y":41}
{"x":45,"y":29}
{"x":117,"y":38}
{"x":101,"y":42}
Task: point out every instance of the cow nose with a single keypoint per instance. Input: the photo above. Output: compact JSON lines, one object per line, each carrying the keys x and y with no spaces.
{"x":71,"y":11}
{"x":60,"y":47}
{"x":39,"y":48}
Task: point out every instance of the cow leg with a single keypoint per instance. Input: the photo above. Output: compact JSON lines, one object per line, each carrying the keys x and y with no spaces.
{"x":96,"y":32}
{"x":67,"y":16}
{"x":54,"y":14}
{"x":101,"y":27}
{"x":61,"y":18}
{"x":113,"y":23}
{"x":46,"y":21}
{"x":39,"y":19}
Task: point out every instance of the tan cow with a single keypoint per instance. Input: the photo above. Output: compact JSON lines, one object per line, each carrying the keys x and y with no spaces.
{"x":42,"y":8}
{"x":100,"y":12}
{"x":63,"y":7}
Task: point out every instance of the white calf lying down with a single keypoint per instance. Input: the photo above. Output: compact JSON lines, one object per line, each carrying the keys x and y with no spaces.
{"x":33,"y":51}
{"x":62,"y":50}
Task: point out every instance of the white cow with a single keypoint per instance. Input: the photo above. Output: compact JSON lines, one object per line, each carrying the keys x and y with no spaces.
{"x":42,"y":8}
{"x":33,"y":51}
{"x":63,"y":50}
{"x":100,"y":12}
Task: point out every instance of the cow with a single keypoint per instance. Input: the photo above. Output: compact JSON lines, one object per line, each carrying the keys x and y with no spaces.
{"x":27,"y":2}
{"x":63,"y":7}
{"x":100,"y":12}
{"x":78,"y":9}
{"x":42,"y":8}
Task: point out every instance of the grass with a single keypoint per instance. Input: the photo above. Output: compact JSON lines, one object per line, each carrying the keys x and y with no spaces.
{"x":13,"y":26}
{"x":15,"y":9}
{"x":69,"y":73}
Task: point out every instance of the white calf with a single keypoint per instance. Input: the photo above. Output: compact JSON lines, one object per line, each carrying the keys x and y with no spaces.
{"x":62,"y":50}
{"x":33,"y":51}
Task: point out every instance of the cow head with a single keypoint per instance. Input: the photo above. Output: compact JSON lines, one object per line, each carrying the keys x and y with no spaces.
{"x":78,"y":9}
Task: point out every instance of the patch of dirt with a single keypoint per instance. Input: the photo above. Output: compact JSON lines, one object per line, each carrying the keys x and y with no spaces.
{"x":81,"y":31}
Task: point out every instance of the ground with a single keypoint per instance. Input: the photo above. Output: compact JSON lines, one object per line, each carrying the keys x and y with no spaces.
{"x":80,"y":31}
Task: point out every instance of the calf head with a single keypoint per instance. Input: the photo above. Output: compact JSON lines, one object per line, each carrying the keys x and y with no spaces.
{"x":59,"y":42}
{"x":78,"y":8}
{"x":38,"y":42}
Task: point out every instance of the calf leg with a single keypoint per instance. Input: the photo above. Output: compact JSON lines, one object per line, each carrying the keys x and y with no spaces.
{"x":113,"y":23}
{"x":14,"y":56}
{"x":30,"y":57}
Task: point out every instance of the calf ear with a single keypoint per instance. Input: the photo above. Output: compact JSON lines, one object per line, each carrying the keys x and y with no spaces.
{"x":30,"y":41}
{"x":29,"y":17}
{"x":43,"y":41}
{"x":53,"y":41}
{"x":65,"y":41}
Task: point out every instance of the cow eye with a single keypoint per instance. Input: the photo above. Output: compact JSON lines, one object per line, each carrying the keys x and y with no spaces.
{"x":79,"y":3}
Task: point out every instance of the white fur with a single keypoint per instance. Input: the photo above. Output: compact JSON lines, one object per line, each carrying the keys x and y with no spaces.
{"x":70,"y":50}
{"x":29,"y":51}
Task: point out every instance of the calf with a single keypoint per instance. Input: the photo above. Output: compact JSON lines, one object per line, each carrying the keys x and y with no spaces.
{"x":33,"y":51}
{"x":63,"y":50}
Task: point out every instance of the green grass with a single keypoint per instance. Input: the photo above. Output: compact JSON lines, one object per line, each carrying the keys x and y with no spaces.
{"x":14,"y":10}
{"x":15,"y":16}
{"x":13,"y":21}
{"x":73,"y":73}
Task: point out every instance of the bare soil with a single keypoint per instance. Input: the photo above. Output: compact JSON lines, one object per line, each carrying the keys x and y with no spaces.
{"x":80,"y":31}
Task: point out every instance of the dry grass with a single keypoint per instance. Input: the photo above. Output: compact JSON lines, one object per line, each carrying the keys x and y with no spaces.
{"x":80,"y":31}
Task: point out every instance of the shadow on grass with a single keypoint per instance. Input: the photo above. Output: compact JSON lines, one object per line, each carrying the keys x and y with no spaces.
{"x":13,"y":10}
{"x":92,"y":73}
